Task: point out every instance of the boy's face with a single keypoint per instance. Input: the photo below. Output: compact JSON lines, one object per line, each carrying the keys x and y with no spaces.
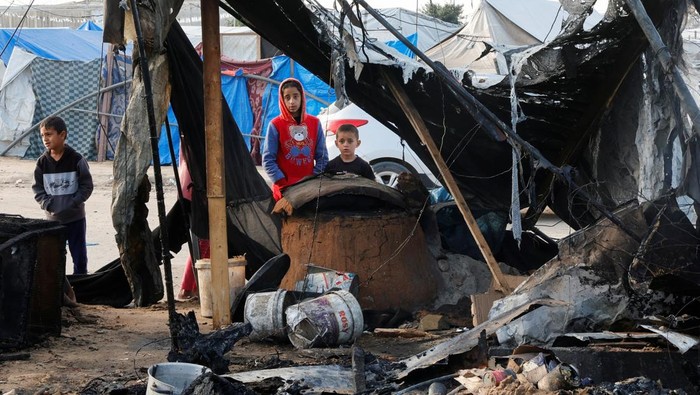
{"x":292,"y":100}
{"x":347,"y":142}
{"x":53,"y":139}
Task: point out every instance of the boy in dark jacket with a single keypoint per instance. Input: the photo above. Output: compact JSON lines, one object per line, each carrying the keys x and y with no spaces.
{"x":347,"y":139}
{"x":62,"y":184}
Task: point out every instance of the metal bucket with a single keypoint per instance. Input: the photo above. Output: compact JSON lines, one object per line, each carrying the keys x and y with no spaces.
{"x":329,"y":320}
{"x":265,"y":313}
{"x":171,"y":378}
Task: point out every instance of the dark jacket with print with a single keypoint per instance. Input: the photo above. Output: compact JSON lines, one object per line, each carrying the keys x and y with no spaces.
{"x":62,"y":187}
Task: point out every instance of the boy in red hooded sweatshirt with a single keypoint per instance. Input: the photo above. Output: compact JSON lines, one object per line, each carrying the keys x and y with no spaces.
{"x":294,"y":145}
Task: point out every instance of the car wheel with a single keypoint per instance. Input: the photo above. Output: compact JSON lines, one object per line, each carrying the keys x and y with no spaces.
{"x":388,"y":172}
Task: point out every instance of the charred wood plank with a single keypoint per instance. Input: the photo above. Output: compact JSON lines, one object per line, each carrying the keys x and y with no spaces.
{"x":424,"y":134}
{"x":402,"y":332}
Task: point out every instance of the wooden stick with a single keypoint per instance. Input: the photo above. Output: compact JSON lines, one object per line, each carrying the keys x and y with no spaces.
{"x":401,"y":332}
{"x":424,"y":134}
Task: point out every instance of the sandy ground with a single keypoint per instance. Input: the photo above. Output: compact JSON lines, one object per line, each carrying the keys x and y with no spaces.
{"x":99,"y":343}
{"x":16,"y":197}
{"x":96,"y":341}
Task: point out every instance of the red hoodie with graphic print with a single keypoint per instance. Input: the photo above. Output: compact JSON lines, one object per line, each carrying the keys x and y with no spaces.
{"x":294,"y":148}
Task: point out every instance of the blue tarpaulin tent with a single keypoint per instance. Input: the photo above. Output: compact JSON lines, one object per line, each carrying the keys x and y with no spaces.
{"x":90,"y":25}
{"x":85,"y":48}
{"x":52,"y":44}
{"x":402,"y":48}
{"x":47,"y":69}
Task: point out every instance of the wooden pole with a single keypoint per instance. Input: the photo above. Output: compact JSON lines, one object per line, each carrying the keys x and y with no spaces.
{"x":660,"y":49}
{"x":104,"y":108}
{"x":216,"y":196}
{"x":422,"y":131}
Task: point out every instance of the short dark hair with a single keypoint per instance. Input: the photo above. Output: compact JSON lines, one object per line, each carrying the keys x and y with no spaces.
{"x":348,"y":128}
{"x":55,"y":123}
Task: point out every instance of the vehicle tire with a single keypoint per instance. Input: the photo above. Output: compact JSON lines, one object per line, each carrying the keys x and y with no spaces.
{"x":388,"y":172}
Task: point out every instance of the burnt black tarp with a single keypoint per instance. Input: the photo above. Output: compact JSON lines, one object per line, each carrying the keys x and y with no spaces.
{"x":251,"y":228}
{"x":22,"y":266}
{"x":108,"y":285}
{"x":563,"y":90}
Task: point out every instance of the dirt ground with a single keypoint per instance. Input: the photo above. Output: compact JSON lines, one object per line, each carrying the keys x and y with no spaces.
{"x":118,"y":345}
{"x":95,"y":341}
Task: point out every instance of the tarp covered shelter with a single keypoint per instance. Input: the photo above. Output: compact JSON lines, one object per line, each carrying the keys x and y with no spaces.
{"x":47,"y":69}
{"x":89,"y":25}
{"x":43,"y":68}
{"x":562,"y":93}
{"x":28,"y":93}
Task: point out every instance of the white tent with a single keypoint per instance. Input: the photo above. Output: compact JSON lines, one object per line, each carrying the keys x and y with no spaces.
{"x":17,"y":100}
{"x":502,"y":25}
{"x":237,"y":42}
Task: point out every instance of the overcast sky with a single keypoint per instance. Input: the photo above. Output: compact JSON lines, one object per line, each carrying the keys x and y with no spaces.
{"x":409,"y":4}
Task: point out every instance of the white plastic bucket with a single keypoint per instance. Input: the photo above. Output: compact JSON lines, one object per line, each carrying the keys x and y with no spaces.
{"x":236,"y":280}
{"x":329,"y":320}
{"x":171,"y":378}
{"x":265,"y":313}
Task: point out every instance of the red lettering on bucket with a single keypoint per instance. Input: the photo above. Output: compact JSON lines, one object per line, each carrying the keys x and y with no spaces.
{"x":344,"y":321}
